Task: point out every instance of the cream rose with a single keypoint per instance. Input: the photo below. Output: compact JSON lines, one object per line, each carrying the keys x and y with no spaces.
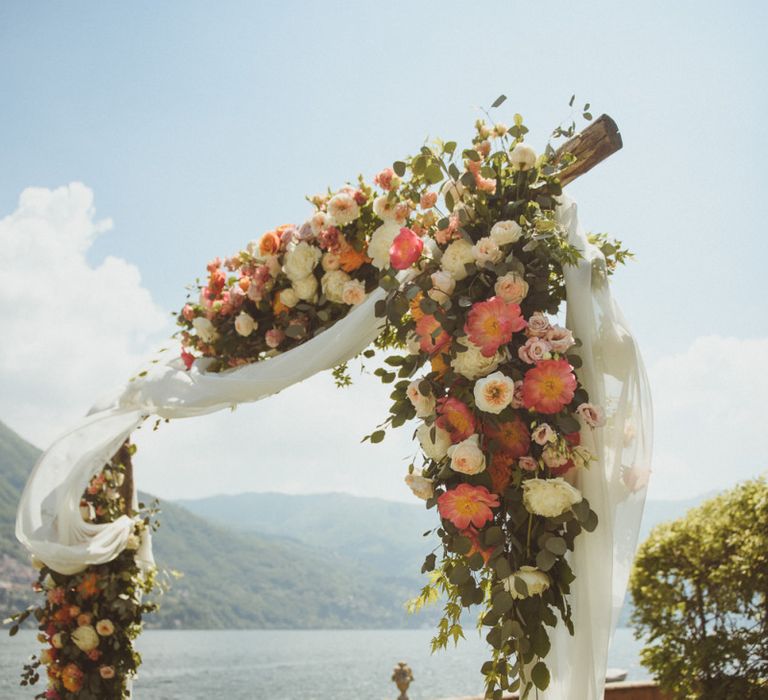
{"x":330,"y":262}
{"x":436,"y":448}
{"x":289,"y":298}
{"x":522,"y":157}
{"x":343,"y":208}
{"x":353,"y":293}
{"x":205,"y":329}
{"x":300,"y":260}
{"x":494,"y":392}
{"x":333,"y":285}
{"x":443,"y":285}
{"x":421,"y":486}
{"x":104,"y":628}
{"x":512,"y":288}
{"x":244,"y":324}
{"x":85,"y":638}
{"x":456,"y":256}
{"x":319,"y":221}
{"x":486,"y":251}
{"x":306,"y":288}
{"x":424,"y":405}
{"x":381,"y":242}
{"x":385,"y":210}
{"x":549,"y":497}
{"x":472,"y":364}
{"x":466,"y":456}
{"x":506,"y":232}
{"x":536,"y":581}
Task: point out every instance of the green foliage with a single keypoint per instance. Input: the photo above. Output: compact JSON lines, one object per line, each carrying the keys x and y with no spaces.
{"x":699,"y":586}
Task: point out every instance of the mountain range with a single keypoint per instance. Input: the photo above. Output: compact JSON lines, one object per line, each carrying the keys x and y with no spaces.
{"x":268,"y":560}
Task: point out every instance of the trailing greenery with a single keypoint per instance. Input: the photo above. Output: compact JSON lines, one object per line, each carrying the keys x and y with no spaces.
{"x":699,"y":586}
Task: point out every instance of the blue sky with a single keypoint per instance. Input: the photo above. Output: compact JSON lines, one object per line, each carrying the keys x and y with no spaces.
{"x":197,"y":126}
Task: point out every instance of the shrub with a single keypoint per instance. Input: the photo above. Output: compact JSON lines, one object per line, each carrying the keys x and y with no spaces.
{"x":699,"y":586}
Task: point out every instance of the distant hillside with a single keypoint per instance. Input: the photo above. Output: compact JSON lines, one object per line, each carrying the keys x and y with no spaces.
{"x":231,"y":580}
{"x":383,"y":535}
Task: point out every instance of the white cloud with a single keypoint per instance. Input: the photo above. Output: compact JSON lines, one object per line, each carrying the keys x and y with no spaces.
{"x":70,"y":329}
{"x":710,"y":413}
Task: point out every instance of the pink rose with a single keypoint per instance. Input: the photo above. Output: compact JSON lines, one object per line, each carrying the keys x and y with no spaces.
{"x":528,"y":464}
{"x":274,"y":337}
{"x":428,"y":200}
{"x":543,"y":434}
{"x":188,"y":312}
{"x":538,"y":325}
{"x":405,"y":250}
{"x":561,"y":339}
{"x":535,"y":350}
{"x":592,"y":415}
{"x":386,"y":179}
{"x":517,"y":396}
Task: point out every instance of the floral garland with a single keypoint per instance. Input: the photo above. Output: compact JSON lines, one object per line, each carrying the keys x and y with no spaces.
{"x":88,"y":621}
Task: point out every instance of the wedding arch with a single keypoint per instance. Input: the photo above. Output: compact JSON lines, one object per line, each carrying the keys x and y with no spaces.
{"x":456,"y":264}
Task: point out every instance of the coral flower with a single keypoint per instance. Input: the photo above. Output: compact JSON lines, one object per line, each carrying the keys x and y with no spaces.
{"x":472,"y":535}
{"x":549,"y":386}
{"x":416,"y":311}
{"x":351,"y":259}
{"x":89,"y":586}
{"x":500,"y":471}
{"x":439,"y":364}
{"x":405,"y":249}
{"x":467,"y":505}
{"x":490,"y":324}
{"x":513,"y":437}
{"x":269,"y":243}
{"x":72,"y":678}
{"x":432,"y":337}
{"x":455,"y":418}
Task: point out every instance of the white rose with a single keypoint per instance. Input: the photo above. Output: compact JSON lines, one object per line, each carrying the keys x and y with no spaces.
{"x":381,"y":242}
{"x":466,"y":456}
{"x":434,"y":449}
{"x":353,"y":293}
{"x":486,"y":251}
{"x":443,"y":285}
{"x":456,"y":256}
{"x":494,"y":392}
{"x":244,"y":324}
{"x":549,"y":497}
{"x":333,"y":285}
{"x":306,"y":288}
{"x":506,"y":232}
{"x":205,"y":329}
{"x":343,"y":208}
{"x":300,"y":260}
{"x":421,"y":486}
{"x":473,"y":364}
{"x":424,"y":405}
{"x":289,"y":298}
{"x":85,"y":638}
{"x":319,"y":221}
{"x":385,"y":210}
{"x":512,"y":288}
{"x":523,"y":157}
{"x":536,"y":581}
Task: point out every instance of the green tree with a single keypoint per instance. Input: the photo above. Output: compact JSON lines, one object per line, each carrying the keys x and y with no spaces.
{"x":699,"y":586}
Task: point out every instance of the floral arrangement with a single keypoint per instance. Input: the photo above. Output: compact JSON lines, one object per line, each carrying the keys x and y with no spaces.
{"x":285,"y":288}
{"x":490,"y":375}
{"x":88,"y":621}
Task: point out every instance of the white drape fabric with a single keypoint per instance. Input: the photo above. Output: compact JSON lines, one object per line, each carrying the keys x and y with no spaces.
{"x":48,"y":521}
{"x":50,"y":526}
{"x":615,"y":485}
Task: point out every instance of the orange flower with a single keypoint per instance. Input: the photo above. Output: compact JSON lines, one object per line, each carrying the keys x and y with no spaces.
{"x":72,"y":678}
{"x":88,"y":587}
{"x":513,"y":436}
{"x":549,"y":386}
{"x":269,"y":243}
{"x":278,"y":307}
{"x":467,"y":505}
{"x":432,"y":337}
{"x":474,"y":537}
{"x":351,"y":259}
{"x":416,"y":311}
{"x":439,"y":363}
{"x":500,"y":470}
{"x":455,"y":418}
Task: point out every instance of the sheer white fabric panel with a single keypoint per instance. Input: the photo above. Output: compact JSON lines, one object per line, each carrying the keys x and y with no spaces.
{"x":615,"y":485}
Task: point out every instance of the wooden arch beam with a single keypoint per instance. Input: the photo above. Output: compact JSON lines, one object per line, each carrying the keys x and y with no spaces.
{"x":592,"y":146}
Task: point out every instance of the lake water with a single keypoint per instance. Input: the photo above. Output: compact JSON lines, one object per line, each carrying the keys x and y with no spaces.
{"x":297,"y":664}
